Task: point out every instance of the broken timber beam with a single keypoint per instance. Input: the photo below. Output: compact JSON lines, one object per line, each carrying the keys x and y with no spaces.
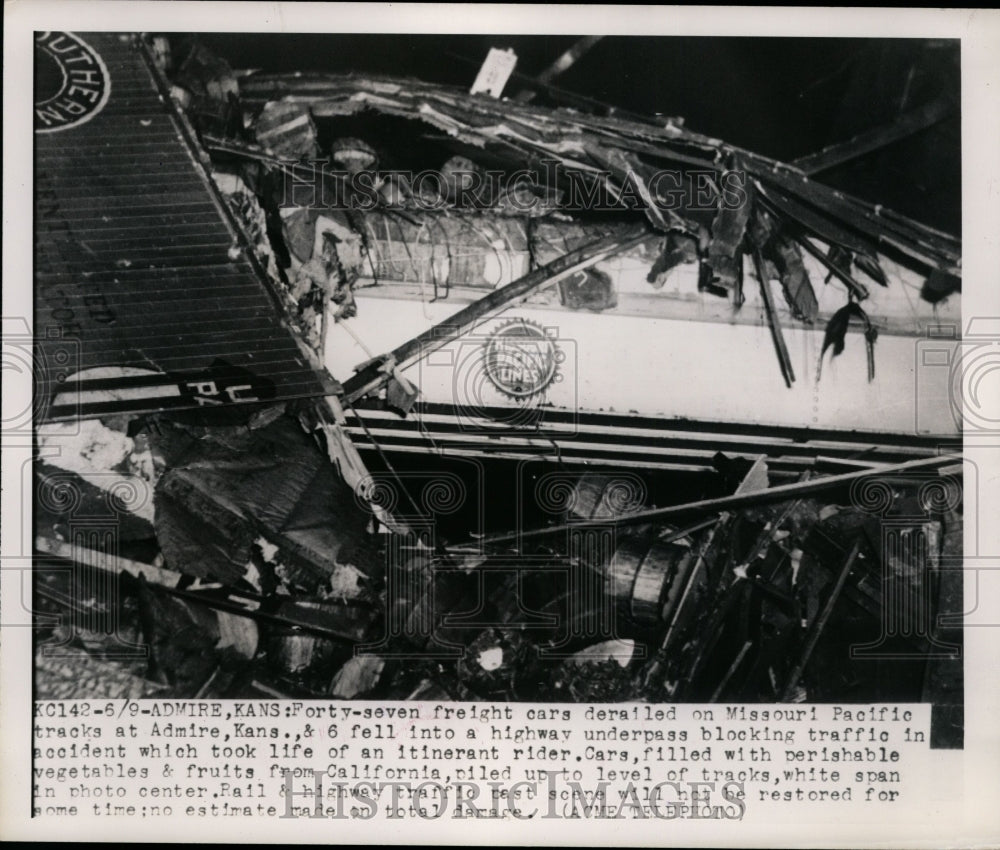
{"x":773,"y":322}
{"x":737,"y":661}
{"x":294,"y":614}
{"x":107,"y":561}
{"x":373,"y":374}
{"x":859,"y":290}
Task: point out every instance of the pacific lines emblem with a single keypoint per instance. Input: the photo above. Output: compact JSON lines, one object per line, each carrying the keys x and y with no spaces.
{"x":521,"y":358}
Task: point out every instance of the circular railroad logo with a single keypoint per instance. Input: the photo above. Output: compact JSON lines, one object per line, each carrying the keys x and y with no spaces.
{"x":71,"y":82}
{"x":521,"y":359}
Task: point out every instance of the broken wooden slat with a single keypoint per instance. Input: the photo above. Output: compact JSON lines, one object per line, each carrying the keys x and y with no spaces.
{"x":773,"y":321}
{"x":794,"y":279}
{"x":857,"y":289}
{"x":820,"y":621}
{"x":816,"y":222}
{"x":725,"y":250}
{"x":864,"y":219}
{"x":107,"y":561}
{"x":737,"y":661}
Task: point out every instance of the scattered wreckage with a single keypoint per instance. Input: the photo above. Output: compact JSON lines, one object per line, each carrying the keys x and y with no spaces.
{"x":700,"y":363}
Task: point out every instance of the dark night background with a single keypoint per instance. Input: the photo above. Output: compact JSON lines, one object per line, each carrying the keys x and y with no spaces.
{"x":781,"y":97}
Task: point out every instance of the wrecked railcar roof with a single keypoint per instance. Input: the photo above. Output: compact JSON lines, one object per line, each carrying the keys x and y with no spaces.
{"x":145,"y":299}
{"x":629,"y":150}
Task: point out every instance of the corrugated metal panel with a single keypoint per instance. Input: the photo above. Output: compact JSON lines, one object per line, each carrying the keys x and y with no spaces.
{"x":139,"y":304}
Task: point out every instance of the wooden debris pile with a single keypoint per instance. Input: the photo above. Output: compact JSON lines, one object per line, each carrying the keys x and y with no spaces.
{"x":261,"y":574}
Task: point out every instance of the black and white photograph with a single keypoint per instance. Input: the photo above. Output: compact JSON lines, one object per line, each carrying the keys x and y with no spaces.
{"x":599,"y":376}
